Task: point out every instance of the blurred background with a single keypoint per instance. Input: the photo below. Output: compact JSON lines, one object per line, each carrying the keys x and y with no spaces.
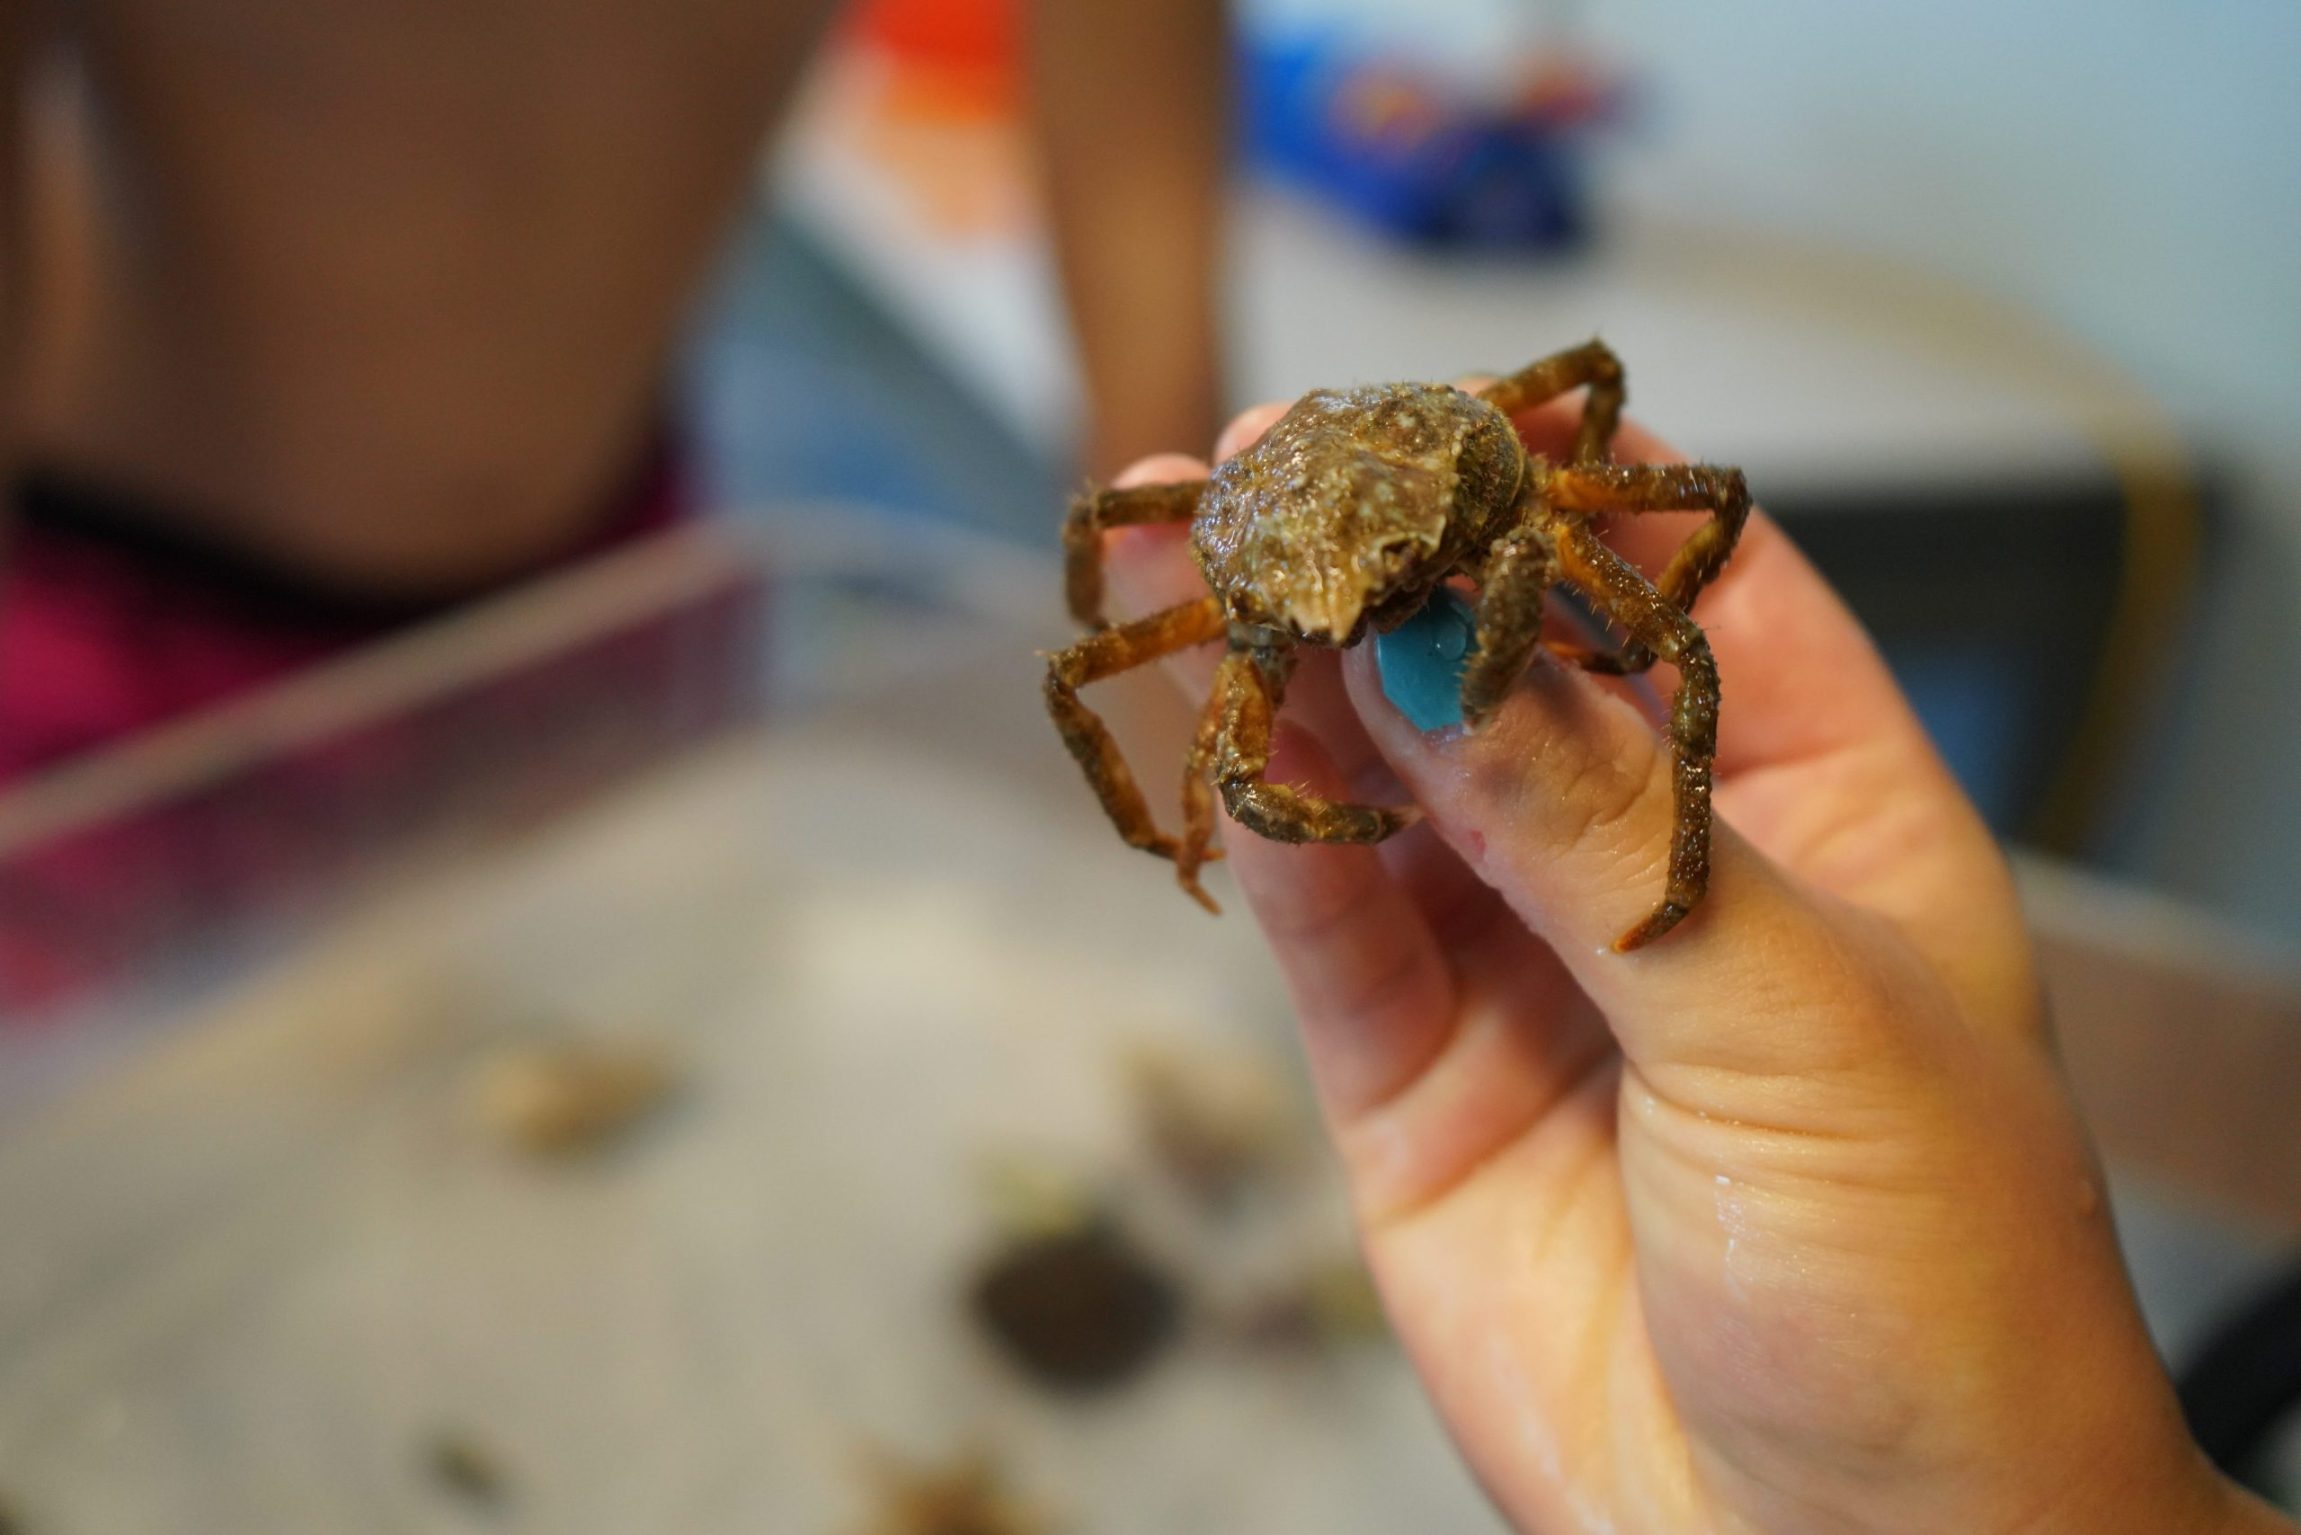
{"x":449,"y":1079}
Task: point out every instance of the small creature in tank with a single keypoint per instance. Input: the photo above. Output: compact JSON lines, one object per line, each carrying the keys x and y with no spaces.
{"x":565,"y":1098}
{"x":967,"y":1497}
{"x":1079,"y":1309}
{"x":463,"y":1465}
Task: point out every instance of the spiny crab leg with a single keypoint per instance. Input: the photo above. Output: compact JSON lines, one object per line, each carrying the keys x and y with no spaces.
{"x":1517,"y":571}
{"x":1591,"y":365}
{"x":1248,"y":690}
{"x":1620,"y":593}
{"x":1097,"y":511}
{"x":1609,"y":489}
{"x":1106,"y":653}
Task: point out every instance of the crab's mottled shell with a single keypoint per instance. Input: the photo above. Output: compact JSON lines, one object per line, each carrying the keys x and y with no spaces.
{"x":1353,"y":507}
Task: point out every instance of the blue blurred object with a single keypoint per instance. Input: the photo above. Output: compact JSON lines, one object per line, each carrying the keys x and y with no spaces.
{"x":1422,"y":661}
{"x":1419,"y":159}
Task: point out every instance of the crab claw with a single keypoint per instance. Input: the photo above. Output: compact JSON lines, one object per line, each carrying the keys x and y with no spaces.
{"x":1186,"y":875}
{"x":1197,"y":892}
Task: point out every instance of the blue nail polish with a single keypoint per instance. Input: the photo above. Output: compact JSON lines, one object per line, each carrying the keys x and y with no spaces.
{"x":1422,"y":660}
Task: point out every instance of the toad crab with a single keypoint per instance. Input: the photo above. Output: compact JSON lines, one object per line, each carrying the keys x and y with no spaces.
{"x":1346,"y":517}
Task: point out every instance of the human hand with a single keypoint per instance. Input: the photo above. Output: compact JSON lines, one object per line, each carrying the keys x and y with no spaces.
{"x":1784,"y":1223}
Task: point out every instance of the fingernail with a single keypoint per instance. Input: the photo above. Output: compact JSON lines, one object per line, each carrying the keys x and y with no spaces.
{"x":1422,"y":660}
{"x":1158,"y":469}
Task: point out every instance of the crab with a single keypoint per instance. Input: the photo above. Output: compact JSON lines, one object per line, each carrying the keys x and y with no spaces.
{"x":1345,"y":518}
{"x":967,"y":1497}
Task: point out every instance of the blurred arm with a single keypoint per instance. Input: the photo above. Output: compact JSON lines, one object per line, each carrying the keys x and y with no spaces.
{"x":15,"y":107}
{"x":1132,"y":108}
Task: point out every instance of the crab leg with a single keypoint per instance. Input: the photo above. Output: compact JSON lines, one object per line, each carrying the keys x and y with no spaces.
{"x":1198,"y":796}
{"x":1106,"y":653}
{"x":1596,"y":490}
{"x":1247,"y":691}
{"x":1522,"y":565}
{"x":1099,"y":510}
{"x":1591,"y":365}
{"x":1623,"y":595}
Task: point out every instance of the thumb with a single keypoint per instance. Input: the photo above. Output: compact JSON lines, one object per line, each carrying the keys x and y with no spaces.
{"x":1562,"y":803}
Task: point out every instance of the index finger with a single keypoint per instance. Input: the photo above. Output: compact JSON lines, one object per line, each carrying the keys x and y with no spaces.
{"x":1807,"y":679}
{"x":1822,"y":763}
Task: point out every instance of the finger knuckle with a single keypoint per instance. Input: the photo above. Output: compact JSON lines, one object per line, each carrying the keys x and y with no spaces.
{"x":1596,"y":802}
